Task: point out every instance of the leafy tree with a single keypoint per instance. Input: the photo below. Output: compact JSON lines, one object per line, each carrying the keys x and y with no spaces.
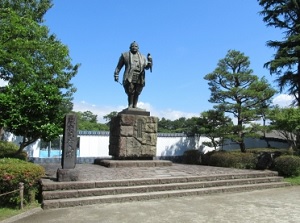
{"x":192,"y":126}
{"x":177,"y":126}
{"x":88,"y":116}
{"x":163,"y":125}
{"x":109,"y":116}
{"x":285,"y":15}
{"x":286,"y":122}
{"x":27,"y":110}
{"x":215,"y":126}
{"x":88,"y":121}
{"x":237,"y":91}
{"x":30,"y":57}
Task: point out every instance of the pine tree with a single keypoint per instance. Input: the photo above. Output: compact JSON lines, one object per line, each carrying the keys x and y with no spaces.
{"x":237,"y":91}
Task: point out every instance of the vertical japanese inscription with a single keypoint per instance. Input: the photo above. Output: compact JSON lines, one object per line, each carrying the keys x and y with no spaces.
{"x":139,"y":128}
{"x":70,"y":142}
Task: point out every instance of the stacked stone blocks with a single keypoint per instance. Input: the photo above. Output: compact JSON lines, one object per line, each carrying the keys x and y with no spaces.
{"x":133,"y":136}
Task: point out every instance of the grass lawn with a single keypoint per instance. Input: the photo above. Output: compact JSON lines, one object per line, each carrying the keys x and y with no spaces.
{"x":9,"y":212}
{"x":293,"y":180}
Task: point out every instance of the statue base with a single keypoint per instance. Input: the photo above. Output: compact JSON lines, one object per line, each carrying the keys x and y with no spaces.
{"x":133,"y":135}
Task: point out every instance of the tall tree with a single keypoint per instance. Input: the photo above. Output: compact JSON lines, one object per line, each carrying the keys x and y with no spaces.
{"x":29,"y":54}
{"x":236,"y":90}
{"x":285,"y":15}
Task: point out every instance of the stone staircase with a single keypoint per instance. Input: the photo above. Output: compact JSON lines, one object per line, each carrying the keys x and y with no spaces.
{"x":69,"y":194}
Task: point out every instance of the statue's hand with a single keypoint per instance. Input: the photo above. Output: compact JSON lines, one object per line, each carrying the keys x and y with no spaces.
{"x":116,"y":78}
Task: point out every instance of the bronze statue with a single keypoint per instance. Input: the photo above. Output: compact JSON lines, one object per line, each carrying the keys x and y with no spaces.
{"x":134,"y":74}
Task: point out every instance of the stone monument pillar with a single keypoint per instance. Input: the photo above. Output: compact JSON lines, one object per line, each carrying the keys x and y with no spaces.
{"x":133,"y":135}
{"x":69,"y":156}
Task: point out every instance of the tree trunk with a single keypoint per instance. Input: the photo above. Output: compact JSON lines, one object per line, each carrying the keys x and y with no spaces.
{"x":23,"y":144}
{"x":242,"y":147}
{"x":20,"y":150}
{"x":1,"y":133}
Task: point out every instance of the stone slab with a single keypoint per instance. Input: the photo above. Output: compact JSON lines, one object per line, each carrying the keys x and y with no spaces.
{"x":69,"y":149}
{"x":133,"y":163}
{"x":135,"y":111}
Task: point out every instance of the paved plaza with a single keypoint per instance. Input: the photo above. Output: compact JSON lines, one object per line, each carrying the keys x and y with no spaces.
{"x":269,"y":205}
{"x":91,"y":172}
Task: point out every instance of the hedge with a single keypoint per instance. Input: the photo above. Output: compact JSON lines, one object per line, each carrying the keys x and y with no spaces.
{"x":192,"y":157}
{"x":12,"y":172}
{"x":288,"y":165}
{"x":233,"y":160}
{"x":9,"y":150}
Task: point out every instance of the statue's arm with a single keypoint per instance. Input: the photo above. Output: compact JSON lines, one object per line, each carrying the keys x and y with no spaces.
{"x":119,"y":67}
{"x":149,"y":62}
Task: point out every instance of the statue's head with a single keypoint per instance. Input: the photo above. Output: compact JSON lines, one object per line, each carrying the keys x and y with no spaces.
{"x":134,"y":47}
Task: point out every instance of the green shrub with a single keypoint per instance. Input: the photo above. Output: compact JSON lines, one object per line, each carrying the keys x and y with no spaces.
{"x":9,"y":150}
{"x":288,"y":165}
{"x":192,"y":157}
{"x":205,"y":158}
{"x":12,"y":172}
{"x":233,"y":159}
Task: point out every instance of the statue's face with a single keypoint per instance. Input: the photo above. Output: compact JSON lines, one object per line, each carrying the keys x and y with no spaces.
{"x":134,"y":48}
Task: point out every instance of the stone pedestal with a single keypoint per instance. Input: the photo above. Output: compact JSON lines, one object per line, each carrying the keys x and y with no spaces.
{"x":133,"y":135}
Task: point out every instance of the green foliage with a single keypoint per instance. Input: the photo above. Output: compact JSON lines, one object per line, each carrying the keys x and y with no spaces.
{"x":237,"y":91}
{"x":192,"y":157}
{"x":258,"y":151}
{"x":214,"y":125}
{"x":293,"y":180}
{"x":190,"y":126}
{"x":32,"y":111}
{"x":88,"y":121}
{"x":287,"y":122}
{"x":233,"y":160}
{"x":14,"y":171}
{"x":39,"y":70}
{"x":169,"y":126}
{"x":9,"y":150}
{"x":7,"y":212}
{"x":288,"y":165}
{"x":285,"y":16}
{"x":87,"y":116}
{"x":109,"y":116}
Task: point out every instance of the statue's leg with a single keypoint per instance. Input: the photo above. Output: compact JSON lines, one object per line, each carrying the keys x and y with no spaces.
{"x":137,"y":92}
{"x":129,"y":89}
{"x":130,"y":101}
{"x":135,"y":100}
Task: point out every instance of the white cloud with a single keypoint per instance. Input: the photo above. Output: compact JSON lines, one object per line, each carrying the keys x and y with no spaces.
{"x":101,"y":111}
{"x":168,"y":113}
{"x":283,"y":100}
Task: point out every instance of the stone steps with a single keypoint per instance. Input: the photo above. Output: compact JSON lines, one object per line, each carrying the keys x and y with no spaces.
{"x":69,"y":194}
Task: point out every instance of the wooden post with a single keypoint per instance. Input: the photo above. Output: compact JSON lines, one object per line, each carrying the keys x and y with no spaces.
{"x":21,"y":187}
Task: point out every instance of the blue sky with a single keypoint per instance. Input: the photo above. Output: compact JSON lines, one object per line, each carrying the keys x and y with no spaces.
{"x":185,"y":38}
